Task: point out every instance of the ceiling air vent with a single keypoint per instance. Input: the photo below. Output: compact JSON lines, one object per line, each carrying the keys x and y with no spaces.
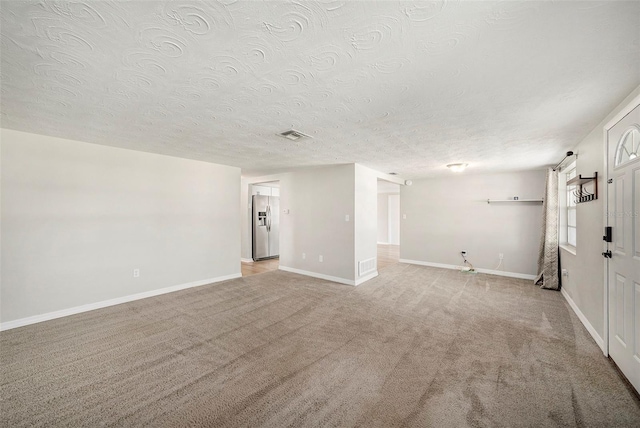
{"x":293,"y":135}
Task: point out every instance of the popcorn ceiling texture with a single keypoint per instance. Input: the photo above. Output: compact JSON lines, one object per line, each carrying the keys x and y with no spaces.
{"x":396,"y":86}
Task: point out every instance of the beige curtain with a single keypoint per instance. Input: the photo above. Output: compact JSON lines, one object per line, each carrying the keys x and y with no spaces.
{"x":548,"y":255}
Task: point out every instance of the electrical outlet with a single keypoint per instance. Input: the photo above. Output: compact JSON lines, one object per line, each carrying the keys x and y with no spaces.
{"x":304,"y":256}
{"x":136,"y":273}
{"x":404,"y":216}
{"x":501,"y":256}
{"x":565,"y":272}
{"x":320,"y":259}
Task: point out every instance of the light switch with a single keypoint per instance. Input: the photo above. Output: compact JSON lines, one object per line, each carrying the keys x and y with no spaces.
{"x":346,"y":217}
{"x":285,"y":211}
{"x":404,"y":216}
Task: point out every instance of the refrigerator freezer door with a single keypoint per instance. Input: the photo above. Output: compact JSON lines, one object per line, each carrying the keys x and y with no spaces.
{"x":274,"y":233}
{"x":260,"y":233}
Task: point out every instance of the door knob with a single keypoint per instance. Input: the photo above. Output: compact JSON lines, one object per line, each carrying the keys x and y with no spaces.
{"x":607,"y":254}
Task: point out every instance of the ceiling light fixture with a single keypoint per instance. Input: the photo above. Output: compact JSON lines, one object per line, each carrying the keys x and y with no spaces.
{"x":457,"y":167}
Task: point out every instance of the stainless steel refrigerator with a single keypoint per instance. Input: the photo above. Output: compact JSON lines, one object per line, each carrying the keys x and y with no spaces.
{"x":266,"y":227}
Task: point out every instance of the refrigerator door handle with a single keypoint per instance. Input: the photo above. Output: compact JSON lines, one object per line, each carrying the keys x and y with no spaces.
{"x":268,"y":218}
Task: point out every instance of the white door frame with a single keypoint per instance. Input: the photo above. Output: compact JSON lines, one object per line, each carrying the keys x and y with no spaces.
{"x":617,"y":118}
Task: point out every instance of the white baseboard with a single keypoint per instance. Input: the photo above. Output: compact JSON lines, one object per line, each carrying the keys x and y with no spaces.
{"x":111,"y":302}
{"x":247,"y":260}
{"x":366,"y":278}
{"x":318,"y":275}
{"x":508,"y":274}
{"x":487,"y":271}
{"x":592,"y":331}
{"x":383,"y":243}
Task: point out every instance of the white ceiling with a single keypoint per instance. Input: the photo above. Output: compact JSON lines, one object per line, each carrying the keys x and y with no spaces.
{"x":406,"y":87}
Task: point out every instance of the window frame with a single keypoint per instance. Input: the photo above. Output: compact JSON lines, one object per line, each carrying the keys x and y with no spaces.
{"x":568,"y":213}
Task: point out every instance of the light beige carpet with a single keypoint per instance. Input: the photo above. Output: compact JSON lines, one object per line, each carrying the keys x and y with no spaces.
{"x":416,"y":346}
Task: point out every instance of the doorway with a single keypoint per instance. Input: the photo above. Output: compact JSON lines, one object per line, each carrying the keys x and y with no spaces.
{"x":388,"y":223}
{"x":264,"y":228}
{"x":622,"y":257}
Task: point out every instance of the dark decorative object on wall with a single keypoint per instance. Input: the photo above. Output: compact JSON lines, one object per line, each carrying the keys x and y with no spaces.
{"x":582,"y":194}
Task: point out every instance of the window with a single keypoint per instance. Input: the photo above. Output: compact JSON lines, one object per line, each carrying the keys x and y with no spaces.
{"x":628,"y":146}
{"x":570,"y":173}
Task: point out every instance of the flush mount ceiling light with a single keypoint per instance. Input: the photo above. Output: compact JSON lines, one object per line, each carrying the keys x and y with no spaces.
{"x":293,"y":135}
{"x":457,"y":167}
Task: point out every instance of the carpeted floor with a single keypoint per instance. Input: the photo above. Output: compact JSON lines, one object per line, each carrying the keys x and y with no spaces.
{"x":416,"y":346}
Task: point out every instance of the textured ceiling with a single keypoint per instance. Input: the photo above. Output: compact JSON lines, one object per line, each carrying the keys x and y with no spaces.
{"x":397,"y":86}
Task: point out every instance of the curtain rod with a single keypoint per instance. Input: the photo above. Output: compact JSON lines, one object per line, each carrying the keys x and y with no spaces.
{"x":569,"y":153}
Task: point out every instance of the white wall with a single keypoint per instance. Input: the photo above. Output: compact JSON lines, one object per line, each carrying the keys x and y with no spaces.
{"x":246,"y":186}
{"x":388,"y":212}
{"x":365,"y":216}
{"x":266,"y":189}
{"x":383,"y":218}
{"x":394,"y":219}
{"x":388,"y":218}
{"x":585,"y":283}
{"x":318,"y":200}
{"x":446,"y":215}
{"x":77,"y":218}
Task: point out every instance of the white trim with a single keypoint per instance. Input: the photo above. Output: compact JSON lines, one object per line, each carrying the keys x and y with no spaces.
{"x":515,"y":200}
{"x":635,"y":102}
{"x":366,"y":278}
{"x":384,"y":243}
{"x":318,"y":275}
{"x":111,"y":302}
{"x":621,"y":114}
{"x":487,"y":271}
{"x":569,"y":205}
{"x":605,"y":262}
{"x":592,"y":331}
{"x":430,"y":264}
{"x":246,"y":260}
{"x":507,"y":274}
{"x":568,"y":248}
{"x":396,"y":179}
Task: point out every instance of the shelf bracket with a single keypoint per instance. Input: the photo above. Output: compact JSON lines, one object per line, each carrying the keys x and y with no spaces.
{"x":581,"y":194}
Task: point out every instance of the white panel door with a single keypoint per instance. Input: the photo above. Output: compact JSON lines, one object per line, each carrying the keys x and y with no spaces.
{"x":623,"y":205}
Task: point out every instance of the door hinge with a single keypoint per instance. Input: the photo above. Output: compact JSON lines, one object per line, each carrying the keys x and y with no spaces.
{"x":607,"y":254}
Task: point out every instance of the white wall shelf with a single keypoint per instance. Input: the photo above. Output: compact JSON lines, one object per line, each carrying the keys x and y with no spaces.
{"x":516,"y":200}
{"x":581,"y":194}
